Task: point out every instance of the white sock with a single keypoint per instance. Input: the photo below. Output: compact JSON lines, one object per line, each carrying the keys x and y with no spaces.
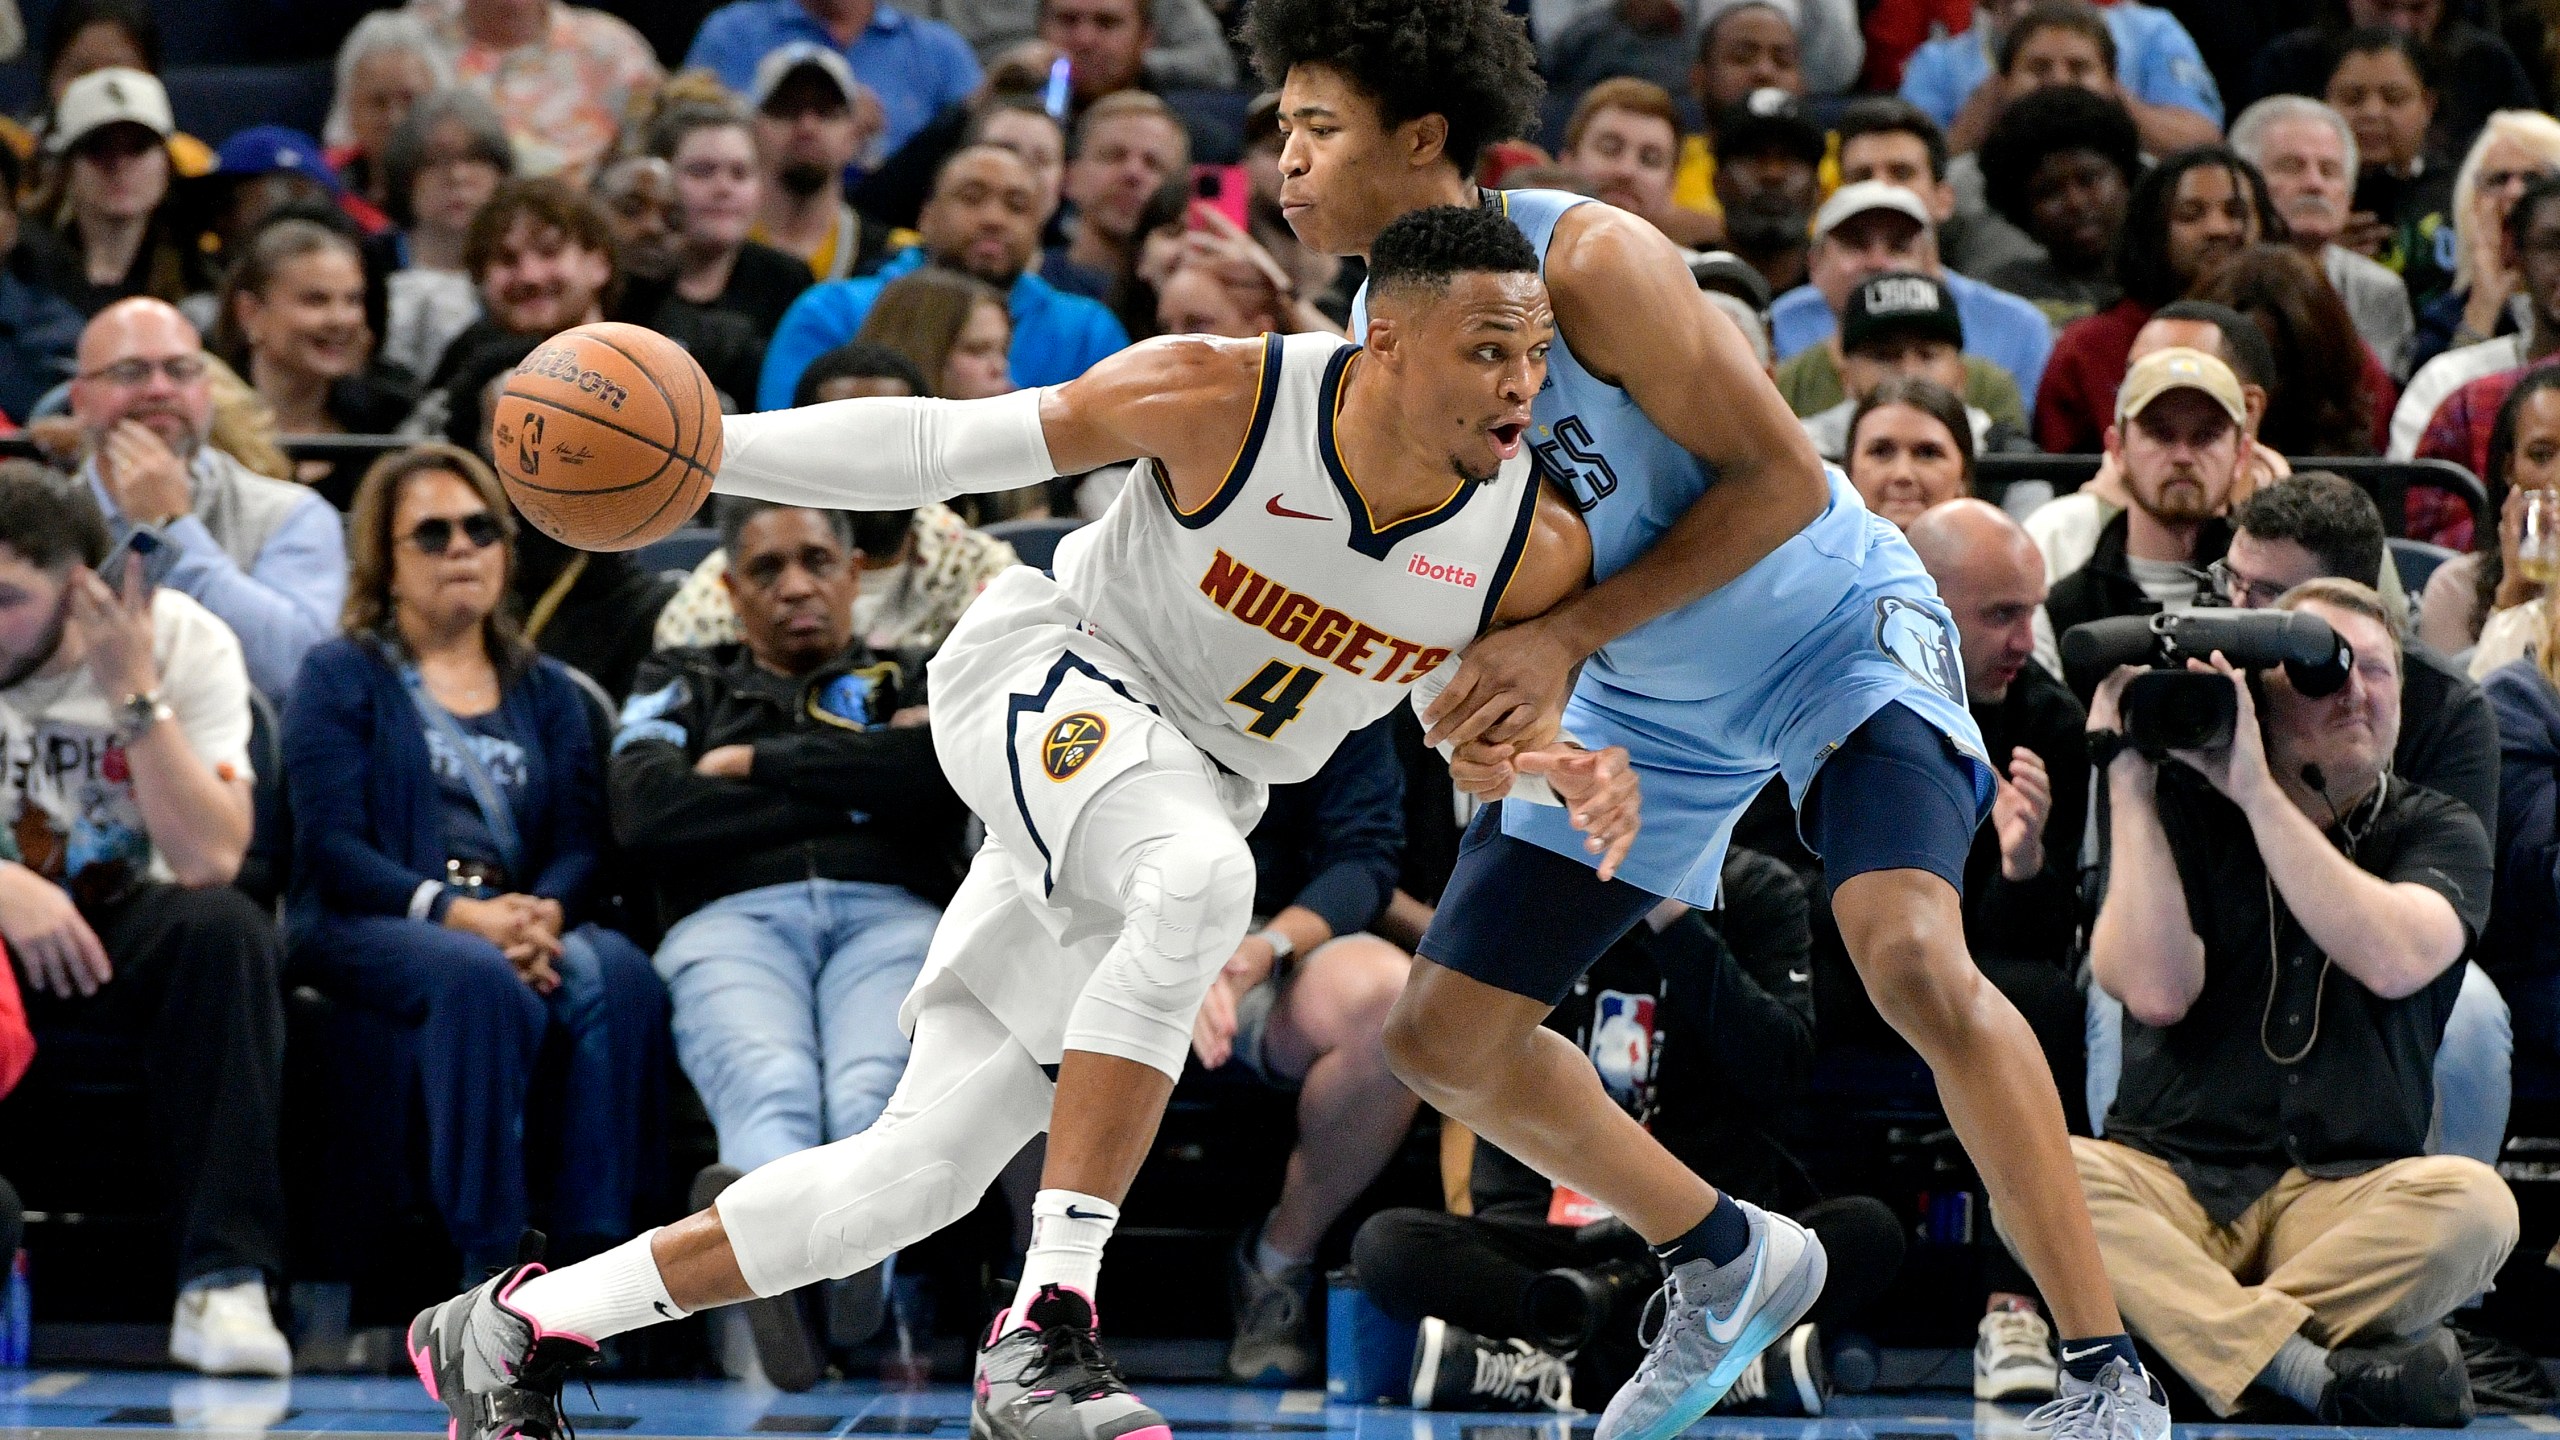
{"x":616,"y":1291}
{"x":1068,"y":1231}
{"x":1275,"y":1263}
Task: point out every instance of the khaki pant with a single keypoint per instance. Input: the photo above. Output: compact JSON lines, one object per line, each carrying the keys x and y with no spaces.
{"x":2384,"y":1253}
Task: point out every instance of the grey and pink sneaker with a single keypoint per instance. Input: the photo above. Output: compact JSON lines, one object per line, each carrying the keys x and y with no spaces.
{"x":495,"y":1369}
{"x":1042,"y":1376}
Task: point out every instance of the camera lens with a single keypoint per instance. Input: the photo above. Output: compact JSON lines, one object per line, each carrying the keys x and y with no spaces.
{"x":2179,"y":710}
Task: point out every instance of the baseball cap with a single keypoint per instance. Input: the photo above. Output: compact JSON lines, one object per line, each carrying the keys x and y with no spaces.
{"x":266,"y":149}
{"x":1769,"y":119}
{"x":2180,"y":368}
{"x":1723,"y":270}
{"x":113,"y":96}
{"x":1865,"y":197}
{"x":1901,"y":302}
{"x":1262,"y":119}
{"x":781,"y":62}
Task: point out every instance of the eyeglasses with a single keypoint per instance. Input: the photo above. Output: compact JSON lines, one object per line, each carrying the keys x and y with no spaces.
{"x":2501,"y":179}
{"x":435,"y":536}
{"x":181,"y":370}
{"x":2237,"y":589}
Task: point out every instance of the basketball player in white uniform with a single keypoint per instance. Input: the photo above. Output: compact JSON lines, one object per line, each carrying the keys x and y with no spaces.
{"x":1313,"y":530}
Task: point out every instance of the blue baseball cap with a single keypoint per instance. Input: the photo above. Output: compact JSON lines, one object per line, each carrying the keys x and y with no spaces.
{"x":266,"y":149}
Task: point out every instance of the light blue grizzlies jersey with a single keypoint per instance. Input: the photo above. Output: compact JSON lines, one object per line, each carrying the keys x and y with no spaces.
{"x":1767,"y":674}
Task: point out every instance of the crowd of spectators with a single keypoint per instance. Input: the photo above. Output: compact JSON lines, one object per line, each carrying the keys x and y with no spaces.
{"x":568,"y":827}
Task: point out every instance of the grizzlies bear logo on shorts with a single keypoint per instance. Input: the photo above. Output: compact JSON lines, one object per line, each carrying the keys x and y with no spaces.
{"x":1919,"y":641}
{"x":1072,"y":741}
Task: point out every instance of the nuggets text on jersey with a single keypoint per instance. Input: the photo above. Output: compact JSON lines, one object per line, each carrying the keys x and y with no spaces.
{"x":1313,"y":626}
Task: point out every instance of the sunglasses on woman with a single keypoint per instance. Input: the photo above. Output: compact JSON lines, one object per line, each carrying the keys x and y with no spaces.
{"x":435,"y":536}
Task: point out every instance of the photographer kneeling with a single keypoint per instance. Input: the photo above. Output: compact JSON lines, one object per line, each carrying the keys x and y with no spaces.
{"x":2283,"y":921}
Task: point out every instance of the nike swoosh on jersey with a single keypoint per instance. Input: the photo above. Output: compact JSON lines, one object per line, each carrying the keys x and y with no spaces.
{"x":1727,"y":1328}
{"x":1274,"y":506}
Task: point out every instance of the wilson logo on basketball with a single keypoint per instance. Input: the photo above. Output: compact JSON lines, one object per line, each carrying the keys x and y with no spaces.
{"x":555,"y":362}
{"x":1072,"y":741}
{"x":1442,"y":571}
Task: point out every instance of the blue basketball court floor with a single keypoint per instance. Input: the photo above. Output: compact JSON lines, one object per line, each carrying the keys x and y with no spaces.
{"x":131,"y":1405}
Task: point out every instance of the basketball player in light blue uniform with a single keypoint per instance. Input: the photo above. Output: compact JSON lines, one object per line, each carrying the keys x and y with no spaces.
{"x":1752,"y":621}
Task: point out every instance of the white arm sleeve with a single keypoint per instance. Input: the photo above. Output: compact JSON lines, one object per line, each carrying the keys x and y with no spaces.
{"x":884,"y":453}
{"x":1528,"y":789}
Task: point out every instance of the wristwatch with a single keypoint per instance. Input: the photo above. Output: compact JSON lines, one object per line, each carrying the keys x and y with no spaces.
{"x":2105,"y":746}
{"x":1281,"y":945}
{"x":136,"y":714}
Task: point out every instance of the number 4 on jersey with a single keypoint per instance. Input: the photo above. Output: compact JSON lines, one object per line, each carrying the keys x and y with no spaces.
{"x":1275,"y":694}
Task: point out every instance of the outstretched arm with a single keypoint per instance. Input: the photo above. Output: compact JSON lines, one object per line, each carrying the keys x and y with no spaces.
{"x":1175,"y":400}
{"x":1631,"y":312}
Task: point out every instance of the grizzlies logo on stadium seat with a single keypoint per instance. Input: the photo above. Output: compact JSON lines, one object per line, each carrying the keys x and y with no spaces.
{"x":1920,"y":641}
{"x":1072,"y":741}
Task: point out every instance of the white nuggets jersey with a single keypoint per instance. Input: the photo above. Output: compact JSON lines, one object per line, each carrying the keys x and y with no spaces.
{"x":1277,"y":616}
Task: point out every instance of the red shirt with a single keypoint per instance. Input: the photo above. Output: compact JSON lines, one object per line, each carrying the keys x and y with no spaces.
{"x":1895,"y":28}
{"x":17,"y":1042}
{"x":2460,"y":433}
{"x":2077,"y":400}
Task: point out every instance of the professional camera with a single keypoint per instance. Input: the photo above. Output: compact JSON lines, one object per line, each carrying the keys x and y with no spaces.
{"x":2174,"y":708}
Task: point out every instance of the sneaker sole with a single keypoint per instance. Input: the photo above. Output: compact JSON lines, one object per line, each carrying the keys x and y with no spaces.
{"x":1804,"y":1363}
{"x":419,"y":1341}
{"x":1995,"y":1387}
{"x":1775,"y":1319}
{"x":1426,"y":1360}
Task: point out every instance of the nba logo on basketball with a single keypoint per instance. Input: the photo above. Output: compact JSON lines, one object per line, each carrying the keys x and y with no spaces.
{"x":1071,"y":743}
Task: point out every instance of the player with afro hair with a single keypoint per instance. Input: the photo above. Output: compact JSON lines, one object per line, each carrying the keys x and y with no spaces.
{"x":1468,"y":63}
{"x":1720,"y":654}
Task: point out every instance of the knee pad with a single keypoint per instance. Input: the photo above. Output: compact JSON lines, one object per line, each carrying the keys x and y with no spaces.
{"x":1184,"y":904}
{"x":1185,"y":901}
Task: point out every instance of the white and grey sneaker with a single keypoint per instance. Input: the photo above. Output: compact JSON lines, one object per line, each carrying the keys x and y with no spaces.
{"x":2125,"y":1402}
{"x":1697,"y":1355}
{"x":1456,"y":1369}
{"x":2013,"y":1357}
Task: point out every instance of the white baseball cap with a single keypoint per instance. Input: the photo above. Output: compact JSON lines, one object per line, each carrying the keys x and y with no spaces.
{"x":1851,"y":201}
{"x":114,"y":96}
{"x":781,"y":62}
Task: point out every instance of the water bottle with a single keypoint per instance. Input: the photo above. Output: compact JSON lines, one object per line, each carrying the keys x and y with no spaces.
{"x":17,"y":1327}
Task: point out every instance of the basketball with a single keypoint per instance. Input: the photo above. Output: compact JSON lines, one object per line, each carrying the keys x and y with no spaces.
{"x":607,"y":436}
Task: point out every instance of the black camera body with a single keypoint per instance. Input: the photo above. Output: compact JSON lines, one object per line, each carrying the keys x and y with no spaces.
{"x":2174,"y":708}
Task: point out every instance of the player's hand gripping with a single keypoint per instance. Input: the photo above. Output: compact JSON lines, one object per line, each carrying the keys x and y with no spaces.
{"x":1598,"y":788}
{"x":1509,"y":688}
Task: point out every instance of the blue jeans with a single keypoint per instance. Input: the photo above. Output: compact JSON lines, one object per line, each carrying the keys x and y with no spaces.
{"x":2474,"y":1068}
{"x":786,"y":1009}
{"x":476,"y":1029}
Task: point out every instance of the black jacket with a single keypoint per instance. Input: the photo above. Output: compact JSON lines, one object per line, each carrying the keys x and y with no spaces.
{"x":2448,"y":733}
{"x":836,"y":792}
{"x":2031,"y":919}
{"x":2105,"y":588}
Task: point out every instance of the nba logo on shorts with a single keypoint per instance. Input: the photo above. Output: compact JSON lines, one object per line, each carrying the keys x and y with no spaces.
{"x":1072,"y":742}
{"x":1922,"y":643}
